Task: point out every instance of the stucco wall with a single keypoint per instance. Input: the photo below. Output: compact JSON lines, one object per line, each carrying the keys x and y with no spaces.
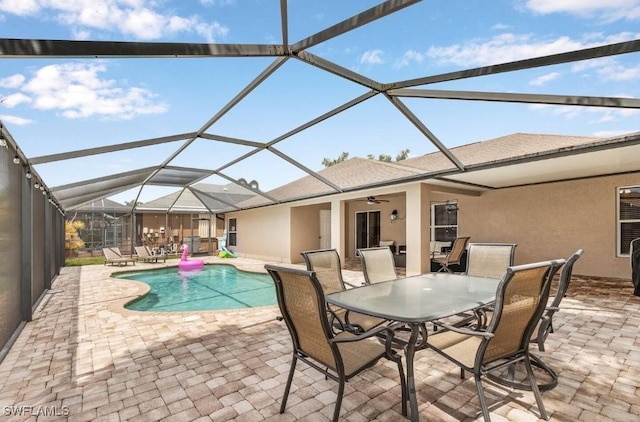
{"x":551,"y":221}
{"x":263,"y":233}
{"x":305,"y":229}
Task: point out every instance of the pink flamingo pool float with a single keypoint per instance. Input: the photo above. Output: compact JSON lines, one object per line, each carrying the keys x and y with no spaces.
{"x":186,"y":264}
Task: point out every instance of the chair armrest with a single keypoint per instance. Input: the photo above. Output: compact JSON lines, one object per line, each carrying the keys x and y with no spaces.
{"x":354,"y":285}
{"x":461,"y":330}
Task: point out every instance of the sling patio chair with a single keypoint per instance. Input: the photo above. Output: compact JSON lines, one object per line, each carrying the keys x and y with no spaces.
{"x":542,"y":331}
{"x":454,"y":257}
{"x":377,"y":264}
{"x":521,"y":298}
{"x":339,"y":355}
{"x":489,"y":259}
{"x":327,"y":266}
{"x":113,"y":256}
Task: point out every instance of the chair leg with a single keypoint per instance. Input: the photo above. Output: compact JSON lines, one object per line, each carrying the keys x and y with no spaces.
{"x":444,"y":267}
{"x":336,"y":411}
{"x":403,"y":385}
{"x":481,"y":397}
{"x":534,"y":388}
{"x":283,"y":405}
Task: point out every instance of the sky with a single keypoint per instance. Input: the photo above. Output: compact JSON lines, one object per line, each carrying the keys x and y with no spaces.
{"x":56,"y":105}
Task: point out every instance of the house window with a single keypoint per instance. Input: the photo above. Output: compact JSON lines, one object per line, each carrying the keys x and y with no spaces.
{"x":233,"y":232}
{"x":628,"y":217}
{"x":444,"y":221}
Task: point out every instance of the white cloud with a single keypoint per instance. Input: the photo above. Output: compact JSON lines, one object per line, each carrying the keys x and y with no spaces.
{"x":501,"y":49}
{"x":19,"y":7}
{"x":13,"y":81}
{"x":609,"y":10}
{"x":608,"y":69}
{"x":15,"y":120}
{"x":618,"y":72}
{"x":507,"y":47}
{"x":75,"y":90}
{"x":372,"y":57}
{"x":10,"y":101}
{"x":542,"y":80}
{"x":138,"y":18}
{"x":501,"y":27}
{"x":408,"y":57}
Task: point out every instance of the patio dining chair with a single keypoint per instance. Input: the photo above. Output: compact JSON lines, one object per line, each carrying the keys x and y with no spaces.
{"x":377,"y":264}
{"x":543,"y":329}
{"x":328,"y":268}
{"x":489,"y":259}
{"x":339,"y":355}
{"x":521,"y":298}
{"x":454,"y":257}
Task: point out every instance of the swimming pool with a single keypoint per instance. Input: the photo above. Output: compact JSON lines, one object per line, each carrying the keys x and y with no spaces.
{"x":214,"y":287}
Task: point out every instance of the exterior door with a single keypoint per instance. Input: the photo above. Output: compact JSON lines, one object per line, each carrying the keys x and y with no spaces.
{"x":325,"y":229}
{"x":367,"y":229}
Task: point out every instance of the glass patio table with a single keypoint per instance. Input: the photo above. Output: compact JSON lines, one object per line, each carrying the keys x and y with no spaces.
{"x":416,"y":300}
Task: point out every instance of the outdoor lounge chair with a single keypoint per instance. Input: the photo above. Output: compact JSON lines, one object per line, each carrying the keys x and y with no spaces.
{"x":113,"y":256}
{"x":454,"y":257}
{"x":339,"y":355}
{"x":326,"y":264}
{"x":145,"y":255}
{"x":521,"y":298}
{"x":377,"y":264}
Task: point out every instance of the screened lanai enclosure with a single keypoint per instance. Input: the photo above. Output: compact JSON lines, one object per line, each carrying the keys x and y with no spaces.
{"x":224,"y":153}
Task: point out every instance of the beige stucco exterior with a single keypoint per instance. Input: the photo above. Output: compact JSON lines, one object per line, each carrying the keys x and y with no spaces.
{"x":552,"y":220}
{"x":547,"y":221}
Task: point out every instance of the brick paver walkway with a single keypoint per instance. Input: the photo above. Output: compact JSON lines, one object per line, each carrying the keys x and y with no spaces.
{"x":85,"y":358}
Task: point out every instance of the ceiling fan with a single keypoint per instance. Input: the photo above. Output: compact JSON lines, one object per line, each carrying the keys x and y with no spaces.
{"x":372,"y":200}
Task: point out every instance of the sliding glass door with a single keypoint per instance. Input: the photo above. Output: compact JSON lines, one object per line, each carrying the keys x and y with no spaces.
{"x":367,"y":229}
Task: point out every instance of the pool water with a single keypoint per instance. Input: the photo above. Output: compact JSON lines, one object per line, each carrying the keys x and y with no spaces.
{"x":214,"y":287}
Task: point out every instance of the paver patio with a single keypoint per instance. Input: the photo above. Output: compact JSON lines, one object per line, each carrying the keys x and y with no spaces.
{"x":84,"y":357}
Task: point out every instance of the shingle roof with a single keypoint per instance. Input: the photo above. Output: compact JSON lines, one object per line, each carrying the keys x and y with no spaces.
{"x":509,"y":147}
{"x":360,"y":172}
{"x":349,"y":174}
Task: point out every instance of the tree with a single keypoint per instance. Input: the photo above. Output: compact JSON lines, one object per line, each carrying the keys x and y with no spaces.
{"x":403,"y":155}
{"x":327,"y":162}
{"x":382,"y":157}
{"x":130,"y":203}
{"x":386,"y":158}
{"x":72,"y":241}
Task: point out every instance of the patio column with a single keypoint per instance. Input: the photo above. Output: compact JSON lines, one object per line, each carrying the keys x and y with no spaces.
{"x":418,"y":257}
{"x":338,"y":239}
